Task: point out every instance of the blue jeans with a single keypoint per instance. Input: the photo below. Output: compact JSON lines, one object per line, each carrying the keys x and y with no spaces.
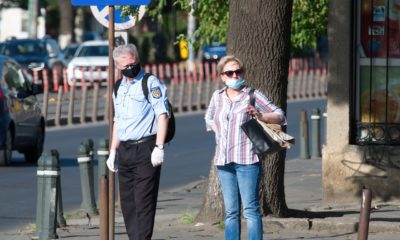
{"x":241,"y":180}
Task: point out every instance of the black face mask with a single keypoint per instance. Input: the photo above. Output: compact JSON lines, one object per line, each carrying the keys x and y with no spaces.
{"x":131,"y":70}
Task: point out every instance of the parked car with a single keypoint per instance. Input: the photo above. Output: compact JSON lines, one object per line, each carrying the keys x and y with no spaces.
{"x":29,"y":50}
{"x":22,"y":125}
{"x":69,"y":51}
{"x":91,"y":36}
{"x":90,"y":61}
{"x":213,"y":52}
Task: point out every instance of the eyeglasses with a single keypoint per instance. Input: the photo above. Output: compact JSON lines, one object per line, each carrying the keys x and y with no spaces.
{"x":230,"y":72}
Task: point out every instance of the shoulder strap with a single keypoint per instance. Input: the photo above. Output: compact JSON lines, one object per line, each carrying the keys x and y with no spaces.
{"x":252,"y":99}
{"x":145,"y":88}
{"x":116,"y":86}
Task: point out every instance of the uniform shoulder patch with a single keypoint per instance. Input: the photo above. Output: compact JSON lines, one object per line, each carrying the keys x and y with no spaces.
{"x":156,"y":92}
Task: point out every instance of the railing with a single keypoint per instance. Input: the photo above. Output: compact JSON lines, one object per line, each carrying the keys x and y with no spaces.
{"x":66,"y":103}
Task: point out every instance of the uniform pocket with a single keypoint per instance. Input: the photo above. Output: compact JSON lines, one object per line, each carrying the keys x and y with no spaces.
{"x":132,"y":105}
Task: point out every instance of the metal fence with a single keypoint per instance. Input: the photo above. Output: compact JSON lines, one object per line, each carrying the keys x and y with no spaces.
{"x":66,"y":103}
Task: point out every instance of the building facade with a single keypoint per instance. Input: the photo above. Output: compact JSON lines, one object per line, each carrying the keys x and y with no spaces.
{"x":363,"y":123}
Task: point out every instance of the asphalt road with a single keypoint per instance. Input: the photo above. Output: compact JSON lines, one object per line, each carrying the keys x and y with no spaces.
{"x":188,"y":158}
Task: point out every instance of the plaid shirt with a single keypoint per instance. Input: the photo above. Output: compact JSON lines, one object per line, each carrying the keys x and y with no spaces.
{"x":227,"y":116}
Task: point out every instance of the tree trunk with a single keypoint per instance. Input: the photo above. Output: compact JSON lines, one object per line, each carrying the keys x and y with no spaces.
{"x":259,"y":34}
{"x":212,"y":209}
{"x":66,"y":23}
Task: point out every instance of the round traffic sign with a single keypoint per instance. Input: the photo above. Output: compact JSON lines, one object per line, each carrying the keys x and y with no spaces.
{"x":101,"y":13}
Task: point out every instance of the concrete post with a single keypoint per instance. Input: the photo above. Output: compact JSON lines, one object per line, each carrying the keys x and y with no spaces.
{"x":86,"y":173}
{"x":304,"y":152}
{"x":60,"y":210}
{"x":325,"y":115}
{"x":102,"y":155}
{"x":40,"y":194}
{"x":315,"y":137}
{"x":48,"y":172}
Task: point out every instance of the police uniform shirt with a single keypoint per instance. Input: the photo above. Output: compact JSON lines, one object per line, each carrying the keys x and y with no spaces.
{"x":134,"y":115}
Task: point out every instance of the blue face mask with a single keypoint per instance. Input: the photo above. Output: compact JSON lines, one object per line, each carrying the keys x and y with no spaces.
{"x":235,"y":84}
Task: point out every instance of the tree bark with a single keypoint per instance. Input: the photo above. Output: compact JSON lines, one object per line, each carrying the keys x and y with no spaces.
{"x":66,"y":23}
{"x":212,"y":209}
{"x":259,"y":35}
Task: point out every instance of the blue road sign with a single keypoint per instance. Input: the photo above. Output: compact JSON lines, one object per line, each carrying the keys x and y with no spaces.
{"x":109,"y":2}
{"x":101,"y":13}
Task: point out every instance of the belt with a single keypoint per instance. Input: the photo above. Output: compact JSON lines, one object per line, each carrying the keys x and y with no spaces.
{"x":142,"y":140}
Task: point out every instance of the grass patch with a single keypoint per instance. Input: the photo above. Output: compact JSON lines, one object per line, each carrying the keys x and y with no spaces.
{"x":221,"y":225}
{"x":187,"y":218}
{"x":31,"y":228}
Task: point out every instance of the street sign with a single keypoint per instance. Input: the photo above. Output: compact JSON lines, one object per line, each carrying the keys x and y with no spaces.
{"x":109,"y":2}
{"x":120,"y":38}
{"x":101,"y":12}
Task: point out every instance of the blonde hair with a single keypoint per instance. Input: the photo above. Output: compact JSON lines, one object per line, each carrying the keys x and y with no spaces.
{"x":224,"y":60}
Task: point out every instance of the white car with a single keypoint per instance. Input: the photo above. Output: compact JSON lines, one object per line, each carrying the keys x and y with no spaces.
{"x":90,"y":62}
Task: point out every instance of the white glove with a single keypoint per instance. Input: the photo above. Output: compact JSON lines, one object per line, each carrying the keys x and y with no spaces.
{"x":157,"y":157}
{"x":111,"y":160}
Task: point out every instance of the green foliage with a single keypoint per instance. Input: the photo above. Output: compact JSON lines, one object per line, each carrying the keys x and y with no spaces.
{"x":212,"y":20}
{"x":14,"y":3}
{"x":309,"y":20}
{"x":128,"y":10}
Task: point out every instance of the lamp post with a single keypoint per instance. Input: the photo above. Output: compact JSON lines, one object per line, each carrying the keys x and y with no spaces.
{"x":33,"y":8}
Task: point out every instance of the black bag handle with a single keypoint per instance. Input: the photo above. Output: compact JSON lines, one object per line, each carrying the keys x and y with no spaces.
{"x":252,"y":100}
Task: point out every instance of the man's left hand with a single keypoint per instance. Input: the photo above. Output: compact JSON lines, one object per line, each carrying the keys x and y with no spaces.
{"x":157,"y":157}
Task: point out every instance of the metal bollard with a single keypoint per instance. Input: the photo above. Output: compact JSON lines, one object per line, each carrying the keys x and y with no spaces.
{"x":102,"y":155}
{"x":363,"y":224}
{"x":89,"y":145}
{"x":60,"y":210}
{"x":48,"y":172}
{"x":325,"y":115}
{"x":304,"y":152}
{"x":315,"y":138}
{"x":86,"y":172}
{"x":103,"y":198}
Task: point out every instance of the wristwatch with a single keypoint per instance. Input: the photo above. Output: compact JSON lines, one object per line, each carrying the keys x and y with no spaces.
{"x":160,"y":146}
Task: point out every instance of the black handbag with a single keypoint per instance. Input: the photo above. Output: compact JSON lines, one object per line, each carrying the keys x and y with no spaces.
{"x":262,"y":141}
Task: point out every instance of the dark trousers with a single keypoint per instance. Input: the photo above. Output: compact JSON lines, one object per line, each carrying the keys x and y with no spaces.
{"x":138,"y":186}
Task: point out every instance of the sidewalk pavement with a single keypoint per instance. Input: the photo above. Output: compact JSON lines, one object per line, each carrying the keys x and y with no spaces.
{"x":303,"y":193}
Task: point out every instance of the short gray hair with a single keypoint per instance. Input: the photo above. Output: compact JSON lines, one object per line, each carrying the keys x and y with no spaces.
{"x":125,"y":49}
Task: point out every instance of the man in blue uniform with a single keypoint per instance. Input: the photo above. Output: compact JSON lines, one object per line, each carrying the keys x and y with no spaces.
{"x":139,"y":132}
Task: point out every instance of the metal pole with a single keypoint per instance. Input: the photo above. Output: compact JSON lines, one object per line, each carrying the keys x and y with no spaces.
{"x":363,"y":224}
{"x":325,"y":115}
{"x":190,"y":33}
{"x":315,"y":129}
{"x":103,"y":189}
{"x":111,"y":76}
{"x":304,"y":152}
{"x":33,"y":14}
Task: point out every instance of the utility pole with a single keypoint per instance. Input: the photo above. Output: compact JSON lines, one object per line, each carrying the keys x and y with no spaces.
{"x":33,"y":9}
{"x":190,"y":33}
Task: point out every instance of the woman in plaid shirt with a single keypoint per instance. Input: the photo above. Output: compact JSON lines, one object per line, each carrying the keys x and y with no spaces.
{"x":237,"y":164}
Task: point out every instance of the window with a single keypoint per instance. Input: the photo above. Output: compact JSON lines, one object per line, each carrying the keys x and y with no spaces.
{"x":376,"y":113}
